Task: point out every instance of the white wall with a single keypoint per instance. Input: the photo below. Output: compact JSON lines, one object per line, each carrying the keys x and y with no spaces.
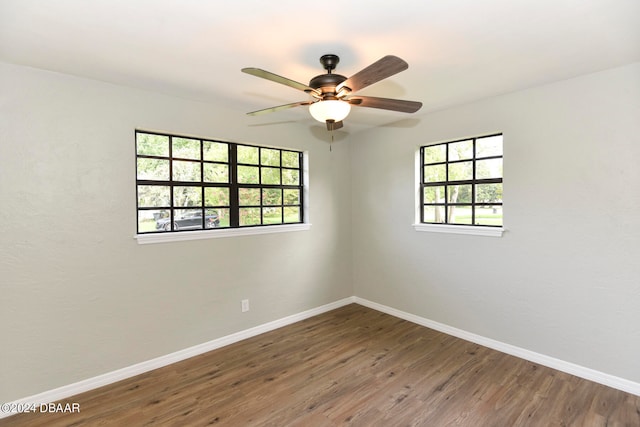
{"x":78,"y":296}
{"x":564,"y":280}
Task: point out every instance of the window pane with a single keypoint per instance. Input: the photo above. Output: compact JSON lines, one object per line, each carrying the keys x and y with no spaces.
{"x":290,"y":159}
{"x":186,"y":171}
{"x":461,"y":171}
{"x":214,"y":172}
{"x":270,"y":176}
{"x":249,"y":216}
{"x":292,"y":214}
{"x":434,"y":194}
{"x":271,"y":196}
{"x":291,"y":197}
{"x":491,"y":168}
{"x":433,"y":214}
{"x":435,"y":154}
{"x":290,"y":177}
{"x":249,"y":196}
{"x":269,"y":157}
{"x":461,"y":150}
{"x":216,"y":196}
{"x":187,"y":219}
{"x":489,"y":146}
{"x":154,"y":169}
{"x":489,"y":193}
{"x":272,"y":215}
{"x":152,"y":220}
{"x":223,"y":217}
{"x":459,"y":193}
{"x":248,"y":175}
{"x":435,"y":173}
{"x":459,"y":214}
{"x":489,"y":215}
{"x":247,"y":154}
{"x":215,"y":151}
{"x":152,"y":145}
{"x":152,"y":196}
{"x":186,"y":148}
{"x":187,"y":196}
{"x":163,"y":220}
{"x":211,"y":218}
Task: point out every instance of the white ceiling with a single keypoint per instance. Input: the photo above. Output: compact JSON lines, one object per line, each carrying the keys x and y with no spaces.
{"x":458,"y":50}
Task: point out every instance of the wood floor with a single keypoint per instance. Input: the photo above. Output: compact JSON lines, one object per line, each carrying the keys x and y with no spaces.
{"x":352,"y":366}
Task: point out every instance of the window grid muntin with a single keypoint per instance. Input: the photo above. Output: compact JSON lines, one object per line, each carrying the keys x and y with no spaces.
{"x":473,"y":182}
{"x":232,"y":183}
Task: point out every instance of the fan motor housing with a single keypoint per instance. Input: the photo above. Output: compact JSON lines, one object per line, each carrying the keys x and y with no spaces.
{"x":326,"y":82}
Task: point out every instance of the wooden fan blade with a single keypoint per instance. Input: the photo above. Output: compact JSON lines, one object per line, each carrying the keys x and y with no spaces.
{"x":333,"y":125}
{"x":379,"y":70}
{"x":279,"y":79}
{"x":278,"y":108}
{"x":386,"y":103}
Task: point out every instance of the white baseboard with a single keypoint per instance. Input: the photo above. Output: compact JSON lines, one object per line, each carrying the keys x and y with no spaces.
{"x":67,"y":391}
{"x":159,"y":362}
{"x":551,"y":362}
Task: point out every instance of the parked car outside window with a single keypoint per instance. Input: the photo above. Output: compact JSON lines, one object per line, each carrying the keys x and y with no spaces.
{"x":189,"y":221}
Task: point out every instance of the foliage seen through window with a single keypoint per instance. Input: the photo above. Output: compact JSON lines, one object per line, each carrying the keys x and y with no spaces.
{"x":195,"y":184}
{"x":461,"y":182}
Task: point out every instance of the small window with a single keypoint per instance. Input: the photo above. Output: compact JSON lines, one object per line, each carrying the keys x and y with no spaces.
{"x":188,"y":183}
{"x":461,"y":182}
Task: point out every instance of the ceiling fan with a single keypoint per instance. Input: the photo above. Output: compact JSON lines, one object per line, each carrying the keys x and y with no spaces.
{"x":332,"y":94}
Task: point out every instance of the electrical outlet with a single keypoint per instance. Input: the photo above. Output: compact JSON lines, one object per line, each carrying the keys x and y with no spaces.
{"x":245,"y":305}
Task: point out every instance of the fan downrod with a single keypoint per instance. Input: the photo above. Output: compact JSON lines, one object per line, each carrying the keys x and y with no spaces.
{"x":329,"y":62}
{"x":326,"y":83}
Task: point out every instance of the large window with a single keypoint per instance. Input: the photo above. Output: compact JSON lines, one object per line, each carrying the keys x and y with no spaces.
{"x":186,"y":183}
{"x":461,"y":182}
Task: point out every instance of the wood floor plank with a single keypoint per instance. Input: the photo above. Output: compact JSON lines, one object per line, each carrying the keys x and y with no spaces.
{"x":349,"y":367}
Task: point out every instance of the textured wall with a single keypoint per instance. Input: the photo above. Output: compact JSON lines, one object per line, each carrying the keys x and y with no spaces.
{"x":78,"y":296}
{"x":564,"y":280}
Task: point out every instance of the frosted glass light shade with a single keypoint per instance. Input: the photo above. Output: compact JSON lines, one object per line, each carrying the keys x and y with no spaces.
{"x":329,"y":110}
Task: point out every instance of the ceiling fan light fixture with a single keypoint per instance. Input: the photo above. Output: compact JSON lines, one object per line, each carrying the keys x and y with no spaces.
{"x":331,"y":92}
{"x":331,"y":109}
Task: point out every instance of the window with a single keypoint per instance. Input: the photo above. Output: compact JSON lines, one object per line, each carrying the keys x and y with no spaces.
{"x":186,"y":183}
{"x":461,"y":182}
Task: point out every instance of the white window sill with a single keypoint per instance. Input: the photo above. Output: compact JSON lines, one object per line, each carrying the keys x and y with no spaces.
{"x":144,"y":239}
{"x":460,"y":229}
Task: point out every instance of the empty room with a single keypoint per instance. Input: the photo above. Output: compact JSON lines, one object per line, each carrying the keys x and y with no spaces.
{"x":301,"y":213}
